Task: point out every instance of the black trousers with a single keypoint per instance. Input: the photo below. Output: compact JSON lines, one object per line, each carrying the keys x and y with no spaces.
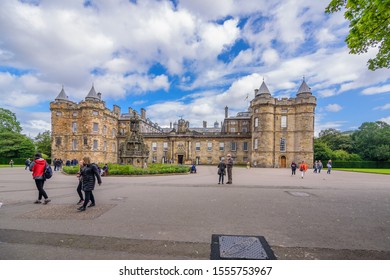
{"x":88,"y":196}
{"x":221,"y":176}
{"x":79,"y":190}
{"x":41,"y":192}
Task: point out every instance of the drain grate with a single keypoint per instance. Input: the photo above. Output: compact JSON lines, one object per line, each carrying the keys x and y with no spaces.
{"x":238,"y":247}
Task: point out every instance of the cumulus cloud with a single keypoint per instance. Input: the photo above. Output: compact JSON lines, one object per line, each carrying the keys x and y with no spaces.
{"x":116,"y":44}
{"x":377,"y":90}
{"x":333,"y":108}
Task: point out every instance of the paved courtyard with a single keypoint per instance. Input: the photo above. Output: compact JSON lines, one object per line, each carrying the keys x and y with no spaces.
{"x":338,"y":216}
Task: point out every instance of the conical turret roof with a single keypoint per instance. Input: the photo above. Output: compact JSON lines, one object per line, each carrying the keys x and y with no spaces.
{"x":304,"y":88}
{"x":92,"y":95}
{"x":263,"y":90}
{"x":62,"y":95}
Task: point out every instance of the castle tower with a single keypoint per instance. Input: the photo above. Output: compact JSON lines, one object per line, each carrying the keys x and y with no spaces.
{"x":282,"y":129}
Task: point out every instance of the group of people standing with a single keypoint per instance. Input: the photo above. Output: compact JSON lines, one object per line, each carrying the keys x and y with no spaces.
{"x":87,"y":175}
{"x":303,"y":167}
{"x":223,"y":166}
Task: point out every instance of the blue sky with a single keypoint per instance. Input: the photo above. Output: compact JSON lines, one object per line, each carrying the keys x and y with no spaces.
{"x":183,"y":58}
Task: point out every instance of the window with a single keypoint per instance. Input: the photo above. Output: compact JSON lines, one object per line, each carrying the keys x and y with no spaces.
{"x":165,"y":146}
{"x":256,"y":122}
{"x":58,"y":141}
{"x":95,"y":113}
{"x":244,"y":129}
{"x":256,"y":144}
{"x":245,"y":159}
{"x":209,"y":146}
{"x":232,"y":122}
{"x":85,"y":141}
{"x":154,"y":146}
{"x":104,"y":130}
{"x":232,"y":129}
{"x":209,"y":160}
{"x":283,"y":121}
{"x":282,"y":144}
{"x":95,"y":127}
{"x":245,"y":146}
{"x":113,"y":132}
{"x":105,"y":146}
{"x":59,"y":114}
{"x":74,"y":126}
{"x":74,"y":144}
{"x":233,"y":146}
{"x":122,"y":131}
{"x":74,"y":114}
{"x":197,"y":146}
{"x":221,"y":146}
{"x":113,"y":147}
{"x":95,"y":145}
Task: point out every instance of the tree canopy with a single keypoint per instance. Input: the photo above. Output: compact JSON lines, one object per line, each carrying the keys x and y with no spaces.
{"x":8,"y":121}
{"x":43,"y":142}
{"x":369,"y":22}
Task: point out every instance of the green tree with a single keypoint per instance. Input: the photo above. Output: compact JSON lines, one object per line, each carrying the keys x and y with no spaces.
{"x":15,"y":145}
{"x":43,"y":142}
{"x":321,"y":150}
{"x":372,"y":141}
{"x":369,"y":23}
{"x":336,"y":140}
{"x":8,"y":121}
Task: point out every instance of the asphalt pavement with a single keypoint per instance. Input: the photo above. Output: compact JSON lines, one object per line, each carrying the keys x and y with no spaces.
{"x":341,"y":215}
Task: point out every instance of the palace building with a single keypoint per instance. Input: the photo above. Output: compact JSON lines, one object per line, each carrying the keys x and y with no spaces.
{"x":272,"y":133}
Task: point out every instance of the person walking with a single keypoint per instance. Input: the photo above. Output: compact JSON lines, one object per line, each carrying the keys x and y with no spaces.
{"x":80,"y":185}
{"x":11,"y":163}
{"x":88,"y":174}
{"x":37,"y":167}
{"x":221,"y":170}
{"x":319,"y":166}
{"x":293,"y":168}
{"x":303,"y":168}
{"x":27,"y":164}
{"x":229,"y":165}
{"x":329,"y":165}
{"x":315,"y":166}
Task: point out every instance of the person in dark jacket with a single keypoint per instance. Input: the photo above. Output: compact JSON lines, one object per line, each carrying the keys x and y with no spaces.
{"x":37,"y":167}
{"x":88,"y":174}
{"x":293,"y":168}
{"x":80,"y":185}
{"x":221,"y":170}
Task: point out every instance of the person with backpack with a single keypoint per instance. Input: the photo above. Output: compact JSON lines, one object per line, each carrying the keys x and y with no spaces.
{"x":88,"y":174}
{"x":303,"y":168}
{"x":38,"y":167}
{"x":221,"y":170}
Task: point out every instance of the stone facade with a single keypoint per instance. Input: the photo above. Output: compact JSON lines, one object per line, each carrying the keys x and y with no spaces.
{"x":273,"y":133}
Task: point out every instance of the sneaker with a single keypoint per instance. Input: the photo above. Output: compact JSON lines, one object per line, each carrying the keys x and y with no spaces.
{"x":91,"y":205}
{"x":80,"y":209}
{"x":80,"y":202}
{"x":37,"y":202}
{"x":46,"y":201}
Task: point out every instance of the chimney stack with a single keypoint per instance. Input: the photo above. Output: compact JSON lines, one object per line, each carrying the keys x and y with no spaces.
{"x":226,"y":112}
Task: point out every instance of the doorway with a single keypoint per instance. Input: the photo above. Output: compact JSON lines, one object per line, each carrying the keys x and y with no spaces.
{"x":180,"y":159}
{"x":283,"y":162}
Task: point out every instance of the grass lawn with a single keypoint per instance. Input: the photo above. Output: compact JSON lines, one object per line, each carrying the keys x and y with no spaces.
{"x":365,"y":170}
{"x":7,"y":165}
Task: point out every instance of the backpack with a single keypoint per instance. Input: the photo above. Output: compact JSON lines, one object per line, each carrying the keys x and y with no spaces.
{"x":48,"y":173}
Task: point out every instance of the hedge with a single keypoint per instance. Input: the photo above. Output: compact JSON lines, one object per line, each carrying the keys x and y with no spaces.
{"x":360,"y":164}
{"x":117,"y":169}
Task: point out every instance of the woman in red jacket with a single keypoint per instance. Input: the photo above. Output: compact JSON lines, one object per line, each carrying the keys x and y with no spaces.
{"x":37,"y":167}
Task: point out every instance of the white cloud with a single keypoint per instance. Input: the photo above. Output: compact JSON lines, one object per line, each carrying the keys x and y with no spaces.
{"x":384,"y":107}
{"x":386,"y":119}
{"x":377,"y":90}
{"x":333,"y":108}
